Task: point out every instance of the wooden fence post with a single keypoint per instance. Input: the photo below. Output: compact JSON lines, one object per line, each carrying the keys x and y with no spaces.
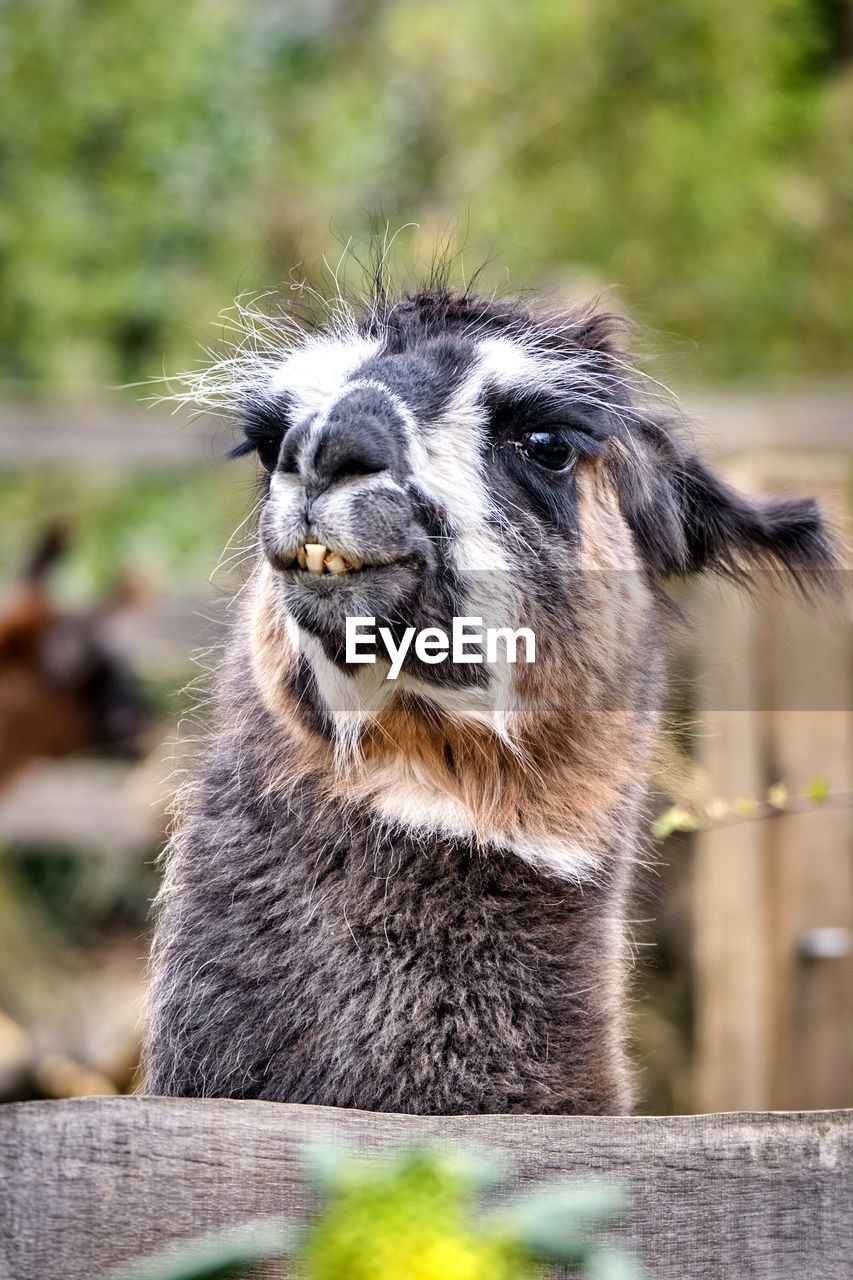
{"x":773,"y":1021}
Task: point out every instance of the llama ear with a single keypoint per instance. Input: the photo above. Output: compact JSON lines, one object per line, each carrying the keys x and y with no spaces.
{"x":51,"y":547}
{"x":686,"y":520}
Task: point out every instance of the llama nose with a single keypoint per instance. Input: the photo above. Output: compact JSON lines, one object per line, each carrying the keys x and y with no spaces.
{"x":360,"y":436}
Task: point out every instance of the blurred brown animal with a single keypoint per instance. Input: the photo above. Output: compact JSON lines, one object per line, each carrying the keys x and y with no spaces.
{"x":63,"y":689}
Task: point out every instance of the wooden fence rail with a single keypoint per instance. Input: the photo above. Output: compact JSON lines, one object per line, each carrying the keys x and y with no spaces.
{"x":125,"y":434}
{"x":91,"y":1183}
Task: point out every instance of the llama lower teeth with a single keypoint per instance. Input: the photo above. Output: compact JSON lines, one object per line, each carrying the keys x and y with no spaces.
{"x":335,"y":564}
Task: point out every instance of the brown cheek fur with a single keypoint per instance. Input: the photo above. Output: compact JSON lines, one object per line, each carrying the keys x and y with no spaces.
{"x":295,"y":751}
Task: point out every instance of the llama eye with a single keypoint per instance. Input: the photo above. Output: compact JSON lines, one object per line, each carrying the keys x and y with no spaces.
{"x":549,"y":449}
{"x":268,"y":451}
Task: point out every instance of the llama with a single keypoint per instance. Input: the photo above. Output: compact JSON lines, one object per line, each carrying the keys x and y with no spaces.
{"x":63,"y":688}
{"x":409,"y":894}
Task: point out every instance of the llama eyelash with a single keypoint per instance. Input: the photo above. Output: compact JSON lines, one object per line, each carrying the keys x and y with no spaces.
{"x":582,"y":445}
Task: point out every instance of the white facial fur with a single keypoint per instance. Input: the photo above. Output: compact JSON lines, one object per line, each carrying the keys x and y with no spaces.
{"x":446,"y":467}
{"x":445,"y":461}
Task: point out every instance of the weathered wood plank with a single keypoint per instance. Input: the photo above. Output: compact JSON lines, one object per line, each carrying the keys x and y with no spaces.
{"x":116,"y":434}
{"x":153,"y":439}
{"x":772,"y":1025}
{"x":91,"y":1183}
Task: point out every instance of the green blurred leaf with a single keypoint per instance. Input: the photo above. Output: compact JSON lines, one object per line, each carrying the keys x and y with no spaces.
{"x":556,"y":1222}
{"x":609,"y":1264}
{"x":778,"y":796}
{"x":217,"y":1255}
{"x":676,"y":818}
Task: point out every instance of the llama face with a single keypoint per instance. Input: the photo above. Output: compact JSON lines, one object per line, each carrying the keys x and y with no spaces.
{"x":457,"y":476}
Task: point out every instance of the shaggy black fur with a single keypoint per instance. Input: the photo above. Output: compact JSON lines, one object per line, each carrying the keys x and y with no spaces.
{"x":373,"y":970}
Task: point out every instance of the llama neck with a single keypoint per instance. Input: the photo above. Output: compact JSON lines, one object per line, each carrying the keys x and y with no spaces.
{"x":353,"y":957}
{"x":385,"y":968}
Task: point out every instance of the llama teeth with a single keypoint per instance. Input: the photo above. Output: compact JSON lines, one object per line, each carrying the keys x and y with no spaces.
{"x":335,"y":564}
{"x":315,"y":554}
{"x":317,"y":559}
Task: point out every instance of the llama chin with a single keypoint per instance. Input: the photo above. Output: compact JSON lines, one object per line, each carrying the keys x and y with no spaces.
{"x":407,"y":894}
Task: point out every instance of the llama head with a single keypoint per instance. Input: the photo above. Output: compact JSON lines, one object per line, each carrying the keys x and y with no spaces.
{"x":452,"y":456}
{"x":449,"y":456}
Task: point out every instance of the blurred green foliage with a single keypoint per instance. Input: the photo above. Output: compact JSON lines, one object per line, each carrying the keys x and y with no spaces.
{"x":157,"y":159}
{"x":76,"y":898}
{"x":123,"y":164}
{"x":161,"y":530}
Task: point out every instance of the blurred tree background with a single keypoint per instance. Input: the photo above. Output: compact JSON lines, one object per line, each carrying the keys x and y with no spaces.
{"x":693,"y":159}
{"x":157,"y":159}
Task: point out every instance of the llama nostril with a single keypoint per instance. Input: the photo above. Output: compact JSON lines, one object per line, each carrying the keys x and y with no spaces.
{"x":360,"y":437}
{"x":344,"y":452}
{"x":287,"y":455}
